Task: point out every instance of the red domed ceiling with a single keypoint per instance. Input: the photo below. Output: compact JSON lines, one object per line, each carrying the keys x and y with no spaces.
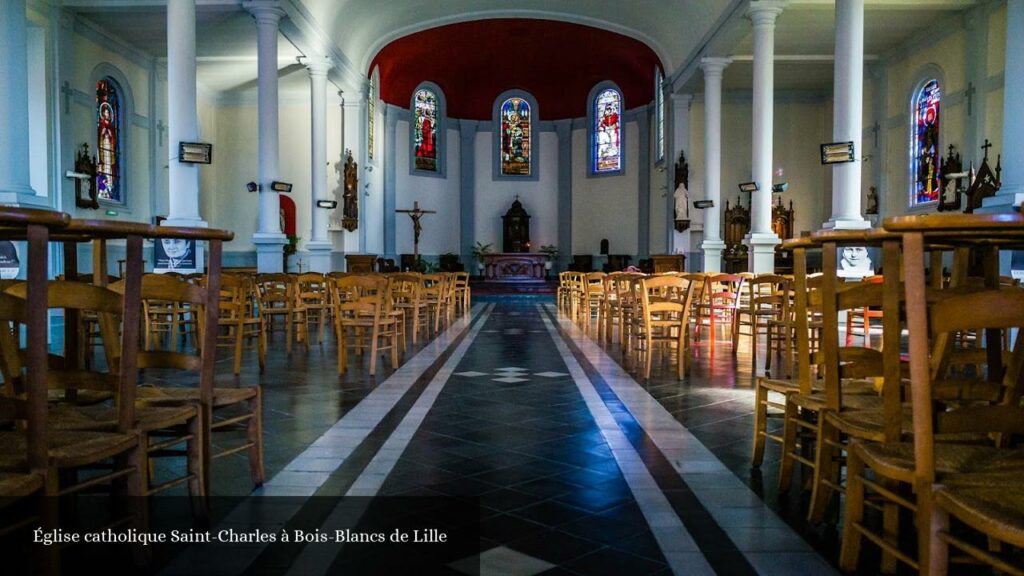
{"x":557,"y":62}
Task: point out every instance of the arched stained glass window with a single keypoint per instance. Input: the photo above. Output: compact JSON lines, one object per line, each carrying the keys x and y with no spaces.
{"x":659,"y":112}
{"x":108,"y":141}
{"x":516,"y":137}
{"x":371,"y":114}
{"x":424,"y":131}
{"x":925,"y":149}
{"x":607,"y":138}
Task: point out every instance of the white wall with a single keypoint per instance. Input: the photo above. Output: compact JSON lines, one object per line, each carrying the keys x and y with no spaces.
{"x":605,"y":206}
{"x":493,"y":198}
{"x":801,"y":125}
{"x":440,"y":231}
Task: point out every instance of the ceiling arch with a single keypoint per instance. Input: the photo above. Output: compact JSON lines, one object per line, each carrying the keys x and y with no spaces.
{"x":557,"y":62}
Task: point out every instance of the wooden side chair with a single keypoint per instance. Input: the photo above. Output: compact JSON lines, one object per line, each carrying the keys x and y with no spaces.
{"x":664,"y":317}
{"x":957,"y":464}
{"x":462,"y":291}
{"x":407,"y":296}
{"x":116,"y":452}
{"x":277,"y":298}
{"x":720,"y":302}
{"x":160,"y":428}
{"x":361,"y":305}
{"x":436,"y":294}
{"x":313,"y":302}
{"x":237,"y":321}
{"x":763,"y":303}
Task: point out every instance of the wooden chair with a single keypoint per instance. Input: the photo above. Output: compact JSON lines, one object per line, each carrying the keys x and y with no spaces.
{"x":664,"y":312}
{"x":407,"y":296}
{"x":977,"y":481}
{"x":361,"y":304}
{"x":462,"y":291}
{"x":764,"y":302}
{"x":436,"y":295}
{"x":237,"y":316}
{"x":160,"y":427}
{"x":116,"y":451}
{"x":564,"y":292}
{"x":277,"y":297}
{"x":720,"y":302}
{"x":313,"y":301}
{"x":591,"y":299}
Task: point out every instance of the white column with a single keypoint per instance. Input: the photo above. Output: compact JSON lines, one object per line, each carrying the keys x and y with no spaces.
{"x":847,"y":115}
{"x":268,"y":237}
{"x":1012,"y":191}
{"x":713,"y":245}
{"x":762,"y":241}
{"x":182,"y":118}
{"x":318,"y":246}
{"x":15,"y":179}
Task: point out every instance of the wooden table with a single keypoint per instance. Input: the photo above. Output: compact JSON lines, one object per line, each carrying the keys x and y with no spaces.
{"x":360,"y":263}
{"x":668,"y":263}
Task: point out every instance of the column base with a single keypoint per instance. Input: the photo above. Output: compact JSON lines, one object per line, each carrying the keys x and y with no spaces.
{"x":23,"y":196}
{"x":761,"y":252}
{"x":185,"y":222}
{"x":712,"y":255}
{"x":319,"y":255}
{"x":1006,"y":200}
{"x":269,"y":252}
{"x":846,"y":223}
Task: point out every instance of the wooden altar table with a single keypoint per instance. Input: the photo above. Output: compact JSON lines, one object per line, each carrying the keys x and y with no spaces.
{"x":514,"y":267}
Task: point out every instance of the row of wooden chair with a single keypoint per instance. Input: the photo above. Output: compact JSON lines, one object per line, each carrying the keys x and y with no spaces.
{"x":70,"y":427}
{"x":932,"y":433}
{"x":254,"y":306}
{"x":755,"y":306}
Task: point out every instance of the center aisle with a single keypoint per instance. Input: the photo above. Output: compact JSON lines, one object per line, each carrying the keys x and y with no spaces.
{"x":511,"y":428}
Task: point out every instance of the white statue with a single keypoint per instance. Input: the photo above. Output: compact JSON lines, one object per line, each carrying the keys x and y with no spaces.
{"x":682,"y":201}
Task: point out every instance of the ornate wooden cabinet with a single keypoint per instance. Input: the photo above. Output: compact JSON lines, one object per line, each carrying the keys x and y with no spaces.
{"x":515,"y":229}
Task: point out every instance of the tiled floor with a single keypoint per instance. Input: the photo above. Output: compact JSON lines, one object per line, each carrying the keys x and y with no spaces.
{"x":577,"y":466}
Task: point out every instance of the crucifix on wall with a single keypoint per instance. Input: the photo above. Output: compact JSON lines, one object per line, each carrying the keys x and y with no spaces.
{"x":416,"y":213}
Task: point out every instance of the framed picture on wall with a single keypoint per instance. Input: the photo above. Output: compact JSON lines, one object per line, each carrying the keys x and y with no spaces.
{"x":10,"y":264}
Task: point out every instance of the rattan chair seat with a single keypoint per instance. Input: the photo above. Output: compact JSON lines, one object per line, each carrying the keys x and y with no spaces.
{"x":104,"y":418}
{"x":19,"y":485}
{"x":896,"y":459}
{"x":82,"y":397}
{"x":163,"y":396}
{"x":993,"y":505}
{"x":863,"y":399}
{"x":67,"y":449}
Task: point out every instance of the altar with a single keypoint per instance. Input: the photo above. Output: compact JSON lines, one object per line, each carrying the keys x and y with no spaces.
{"x":514,"y":267}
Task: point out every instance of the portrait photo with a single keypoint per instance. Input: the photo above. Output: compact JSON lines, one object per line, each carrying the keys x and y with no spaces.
{"x":174,"y":255}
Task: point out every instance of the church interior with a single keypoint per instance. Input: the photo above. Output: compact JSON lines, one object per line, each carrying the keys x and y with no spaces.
{"x":531,"y":287}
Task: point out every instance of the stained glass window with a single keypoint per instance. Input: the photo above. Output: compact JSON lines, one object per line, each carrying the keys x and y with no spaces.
{"x":607,"y":131}
{"x":659,"y":113}
{"x":371,"y":115}
{"x":108,"y":141}
{"x":925,"y":145}
{"x":515,"y":137}
{"x":425,"y":118}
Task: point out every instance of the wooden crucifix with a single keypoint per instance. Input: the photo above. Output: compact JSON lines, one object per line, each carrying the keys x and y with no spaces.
{"x":416,"y":213}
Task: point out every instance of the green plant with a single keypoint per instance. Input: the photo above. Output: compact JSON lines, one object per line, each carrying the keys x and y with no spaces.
{"x":426,"y":267}
{"x":550,"y":250}
{"x":479,"y":250}
{"x":292,"y":246}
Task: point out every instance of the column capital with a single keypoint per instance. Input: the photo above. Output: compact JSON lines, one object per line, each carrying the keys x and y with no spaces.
{"x":316,"y":65}
{"x":714,"y":66}
{"x":265,"y":11}
{"x":764,"y":12}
